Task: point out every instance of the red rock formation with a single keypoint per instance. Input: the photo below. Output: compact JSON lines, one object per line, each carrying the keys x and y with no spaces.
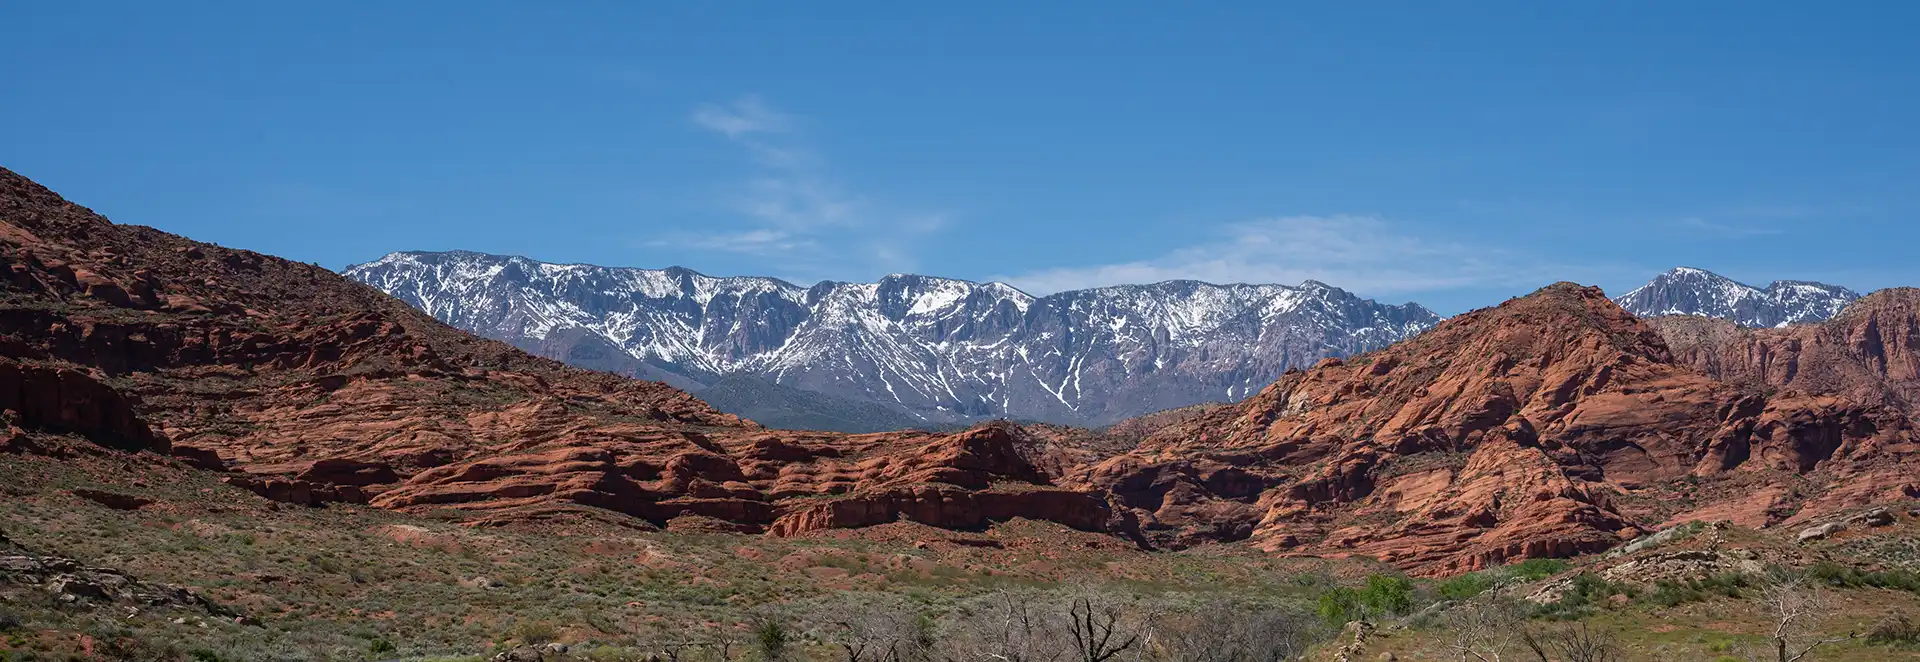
{"x":1504,"y":433}
{"x":1870,"y":352}
{"x":63,"y":399}
{"x":316,"y":390}
{"x":1551,"y":425}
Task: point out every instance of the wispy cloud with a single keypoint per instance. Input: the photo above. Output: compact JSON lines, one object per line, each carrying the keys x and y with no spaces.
{"x":1735,"y":229}
{"x":741,"y":119}
{"x":751,"y":242}
{"x":796,"y":205}
{"x":1365,"y":254}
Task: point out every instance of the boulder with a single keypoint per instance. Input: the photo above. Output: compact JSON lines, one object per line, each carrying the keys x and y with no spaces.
{"x":1820,"y":532}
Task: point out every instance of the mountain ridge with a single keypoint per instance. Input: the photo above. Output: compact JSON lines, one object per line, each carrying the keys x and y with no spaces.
{"x":940,"y":349}
{"x":1694,"y":291}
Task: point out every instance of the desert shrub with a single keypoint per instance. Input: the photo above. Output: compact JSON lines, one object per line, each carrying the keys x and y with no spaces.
{"x":1669,"y":593}
{"x":1896,"y":630}
{"x":1387,"y":595}
{"x":1584,"y":591}
{"x":1533,"y":570}
{"x":1384,"y":595}
{"x":534,"y":632}
{"x":1842,"y":576}
{"x":1465,"y":586}
{"x":1339,"y":605}
{"x":771,"y":641}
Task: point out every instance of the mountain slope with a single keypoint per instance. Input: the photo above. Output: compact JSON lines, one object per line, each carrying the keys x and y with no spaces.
{"x":1553,"y":424}
{"x":945,"y":350}
{"x":1689,"y":291}
{"x":302,"y":386}
{"x":789,"y":408}
{"x":1869,"y":353}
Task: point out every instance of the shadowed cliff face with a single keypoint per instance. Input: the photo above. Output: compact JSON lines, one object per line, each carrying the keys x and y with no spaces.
{"x":1542,"y":427}
{"x":1551,"y":425}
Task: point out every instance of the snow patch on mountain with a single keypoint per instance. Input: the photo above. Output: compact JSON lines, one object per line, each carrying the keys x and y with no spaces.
{"x":940,"y":349}
{"x":1690,"y":291}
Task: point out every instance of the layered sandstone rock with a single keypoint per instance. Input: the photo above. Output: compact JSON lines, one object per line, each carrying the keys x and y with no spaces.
{"x":1504,"y":433}
{"x":1870,"y":352}
{"x":312,"y":389}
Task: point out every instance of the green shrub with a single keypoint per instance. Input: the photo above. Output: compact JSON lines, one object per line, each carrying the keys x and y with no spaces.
{"x":1534,"y":570}
{"x":1840,"y":576}
{"x":1339,"y":605}
{"x":1387,"y":595}
{"x":771,"y":640}
{"x":1465,"y":586}
{"x":1384,"y":595}
{"x":1585,"y":591}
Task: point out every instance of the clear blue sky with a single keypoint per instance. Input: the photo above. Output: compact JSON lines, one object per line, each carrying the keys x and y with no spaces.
{"x":1450,"y":155}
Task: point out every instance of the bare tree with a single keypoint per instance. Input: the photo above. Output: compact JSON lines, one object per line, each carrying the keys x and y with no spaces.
{"x":1102,"y":626}
{"x":1484,"y":629}
{"x":1571,"y":643}
{"x":878,"y":628}
{"x":719,"y":642}
{"x":1794,"y":607}
{"x":1006,"y":627}
{"x":1222,"y":631}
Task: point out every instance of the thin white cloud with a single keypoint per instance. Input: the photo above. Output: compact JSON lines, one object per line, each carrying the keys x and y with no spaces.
{"x":751,"y":242}
{"x":1737,"y":230}
{"x":1359,"y":253}
{"x":741,"y":118}
{"x":796,"y":206}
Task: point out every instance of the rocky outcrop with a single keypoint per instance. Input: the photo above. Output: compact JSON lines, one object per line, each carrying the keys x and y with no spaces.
{"x":75,"y":585}
{"x":948,"y":508}
{"x":66,"y":400}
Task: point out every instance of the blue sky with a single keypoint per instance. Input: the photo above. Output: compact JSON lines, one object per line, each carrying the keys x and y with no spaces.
{"x":1408,"y":151}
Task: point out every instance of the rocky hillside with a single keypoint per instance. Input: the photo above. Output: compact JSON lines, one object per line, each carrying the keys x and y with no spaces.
{"x":939,"y":350}
{"x":308,"y":388}
{"x":1551,"y":425}
{"x":1869,"y":353}
{"x":1689,"y":291}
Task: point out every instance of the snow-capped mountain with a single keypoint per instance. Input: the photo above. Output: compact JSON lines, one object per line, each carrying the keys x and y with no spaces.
{"x":941,"y":350}
{"x":1689,"y":291}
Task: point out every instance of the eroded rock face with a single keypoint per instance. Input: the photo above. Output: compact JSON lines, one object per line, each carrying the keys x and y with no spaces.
{"x":1510,"y":432}
{"x":1870,"y":352}
{"x":311,"y":389}
{"x":67,"y":400}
